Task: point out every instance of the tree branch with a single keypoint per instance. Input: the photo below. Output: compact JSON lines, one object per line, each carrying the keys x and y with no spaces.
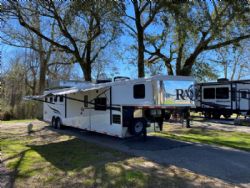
{"x":26,"y":25}
{"x":64,"y":30}
{"x":222,"y":44}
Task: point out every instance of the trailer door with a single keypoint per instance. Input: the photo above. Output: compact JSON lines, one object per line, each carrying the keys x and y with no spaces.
{"x":85,"y":112}
{"x":244,"y":100}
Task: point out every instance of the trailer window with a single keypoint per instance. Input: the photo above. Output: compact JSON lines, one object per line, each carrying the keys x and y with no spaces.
{"x":116,"y":119}
{"x":209,"y":93}
{"x":101,"y":103}
{"x":139,"y":91}
{"x":61,"y":98}
{"x":222,"y":93}
{"x":55,"y":98}
{"x":243,"y":94}
{"x":51,"y":99}
{"x":86,"y":100}
{"x":46,"y":99}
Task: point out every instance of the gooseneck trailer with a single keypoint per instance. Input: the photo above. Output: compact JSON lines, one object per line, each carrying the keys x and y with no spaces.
{"x":121,"y":107}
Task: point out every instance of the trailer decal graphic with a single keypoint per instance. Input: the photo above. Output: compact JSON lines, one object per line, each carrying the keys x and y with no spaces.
{"x":183,"y":94}
{"x":55,"y":110}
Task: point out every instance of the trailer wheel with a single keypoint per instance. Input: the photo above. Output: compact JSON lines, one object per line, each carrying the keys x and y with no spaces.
{"x":160,"y":124}
{"x":167,"y":116}
{"x":58,"y":123}
{"x":137,"y":126}
{"x":207,"y":115}
{"x":226,"y":116}
{"x":53,"y":122}
{"x":216,"y":115}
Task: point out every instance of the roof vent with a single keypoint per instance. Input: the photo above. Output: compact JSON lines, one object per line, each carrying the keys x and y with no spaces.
{"x":222,"y":80}
{"x":103,"y":81}
{"x":121,"y":78}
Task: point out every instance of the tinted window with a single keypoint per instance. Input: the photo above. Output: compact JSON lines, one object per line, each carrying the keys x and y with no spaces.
{"x":46,"y":99}
{"x":86,"y":100}
{"x":116,"y":119}
{"x":101,"y":103}
{"x":222,"y":93}
{"x":209,"y":93}
{"x":244,"y":94}
{"x":139,"y":91}
{"x":55,"y":98}
{"x":61,"y":98}
{"x":51,"y":99}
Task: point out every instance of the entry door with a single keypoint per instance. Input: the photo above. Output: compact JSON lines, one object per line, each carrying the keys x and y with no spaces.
{"x":85,"y":112}
{"x":244,"y":99}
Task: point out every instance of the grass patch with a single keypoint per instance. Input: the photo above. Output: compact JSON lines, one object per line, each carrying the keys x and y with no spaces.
{"x":236,"y":140}
{"x":48,"y":159}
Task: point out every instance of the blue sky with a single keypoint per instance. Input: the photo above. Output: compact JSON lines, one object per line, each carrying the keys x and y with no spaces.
{"x":123,"y":67}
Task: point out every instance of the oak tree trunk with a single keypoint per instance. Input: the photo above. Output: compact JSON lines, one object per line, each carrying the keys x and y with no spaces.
{"x":140,"y":60}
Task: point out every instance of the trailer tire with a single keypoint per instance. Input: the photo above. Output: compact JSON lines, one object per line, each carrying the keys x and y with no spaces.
{"x":137,"y":127}
{"x":167,"y":116}
{"x":58,"y":123}
{"x":53,"y":122}
{"x":160,"y":124}
{"x":226,"y":116}
{"x":207,"y":115}
{"x":216,"y":115}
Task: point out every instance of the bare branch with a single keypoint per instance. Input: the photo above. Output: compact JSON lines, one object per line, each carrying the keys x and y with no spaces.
{"x":33,"y":29}
{"x":222,"y":44}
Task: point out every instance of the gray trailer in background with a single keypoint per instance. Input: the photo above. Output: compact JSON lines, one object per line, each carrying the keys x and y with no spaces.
{"x":223,"y":98}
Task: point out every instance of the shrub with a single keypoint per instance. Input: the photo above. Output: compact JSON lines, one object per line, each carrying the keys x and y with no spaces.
{"x":6,"y":116}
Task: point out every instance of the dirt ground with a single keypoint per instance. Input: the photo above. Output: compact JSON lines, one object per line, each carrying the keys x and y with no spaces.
{"x":224,"y":125}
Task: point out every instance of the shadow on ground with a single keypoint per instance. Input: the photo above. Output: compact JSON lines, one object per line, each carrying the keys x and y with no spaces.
{"x":226,"y":164}
{"x":74,"y":154}
{"x":95,"y":166}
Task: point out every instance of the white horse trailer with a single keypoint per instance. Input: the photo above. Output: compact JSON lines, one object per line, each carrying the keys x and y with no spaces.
{"x":223,"y":97}
{"x":120,"y":108}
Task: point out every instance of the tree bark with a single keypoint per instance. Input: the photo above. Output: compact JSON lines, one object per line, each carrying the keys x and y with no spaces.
{"x":42,"y":76}
{"x":86,"y":69}
{"x":167,"y":62}
{"x":179,"y":59}
{"x":140,"y":40}
{"x":140,"y":60}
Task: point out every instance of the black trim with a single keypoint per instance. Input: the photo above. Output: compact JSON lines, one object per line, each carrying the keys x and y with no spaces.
{"x":231,"y":92}
{"x":65,"y":105}
{"x":42,"y":101}
{"x":236,"y":93}
{"x":212,"y":104}
{"x":110,"y":104}
{"x":201,"y":94}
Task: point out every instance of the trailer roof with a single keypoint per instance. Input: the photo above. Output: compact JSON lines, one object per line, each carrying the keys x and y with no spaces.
{"x":225,"y":82}
{"x":92,"y":86}
{"x":119,"y":82}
